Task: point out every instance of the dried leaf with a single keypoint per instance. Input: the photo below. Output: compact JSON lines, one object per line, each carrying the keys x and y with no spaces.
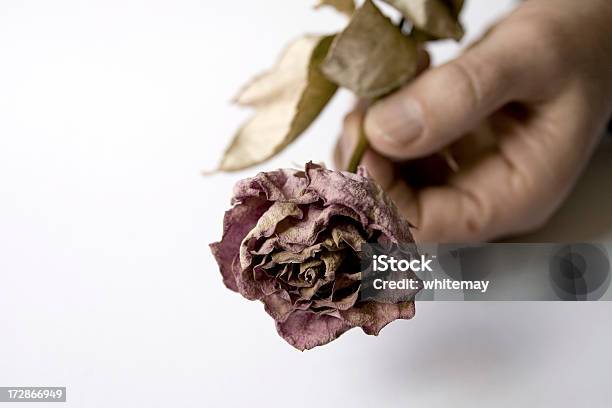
{"x":343,"y":6}
{"x":456,"y":6}
{"x":437,"y":18}
{"x":371,"y":56}
{"x":287,"y":100}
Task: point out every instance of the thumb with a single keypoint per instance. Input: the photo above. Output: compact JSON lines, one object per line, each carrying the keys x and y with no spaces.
{"x":445,"y":102}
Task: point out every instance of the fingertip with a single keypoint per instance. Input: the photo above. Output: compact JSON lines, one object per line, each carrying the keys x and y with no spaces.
{"x":392,"y":124}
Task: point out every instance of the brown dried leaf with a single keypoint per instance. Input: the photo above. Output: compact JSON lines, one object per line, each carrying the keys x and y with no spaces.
{"x":346,"y":7}
{"x":456,"y":6}
{"x":371,"y":56}
{"x":438,"y":18}
{"x":287,"y":100}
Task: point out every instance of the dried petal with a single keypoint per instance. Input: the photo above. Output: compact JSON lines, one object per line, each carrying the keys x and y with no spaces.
{"x":373,"y":316}
{"x":237,"y":223}
{"x":287,"y":100}
{"x":371,"y":56}
{"x":266,"y":226}
{"x":304,"y":330}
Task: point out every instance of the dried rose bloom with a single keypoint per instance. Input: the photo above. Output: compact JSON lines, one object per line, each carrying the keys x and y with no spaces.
{"x":292,"y":240}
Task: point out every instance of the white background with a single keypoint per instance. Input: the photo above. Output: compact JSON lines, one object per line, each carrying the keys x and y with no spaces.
{"x":109,"y":110}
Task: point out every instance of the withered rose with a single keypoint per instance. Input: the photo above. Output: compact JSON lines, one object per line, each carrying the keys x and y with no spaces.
{"x":292,"y":241}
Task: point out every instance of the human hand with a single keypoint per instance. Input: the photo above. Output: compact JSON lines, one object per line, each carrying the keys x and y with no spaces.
{"x":521,"y":111}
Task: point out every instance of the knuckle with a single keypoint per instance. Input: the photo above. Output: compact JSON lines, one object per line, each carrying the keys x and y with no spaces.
{"x":485,"y":77}
{"x":462,"y":75}
{"x":543,"y":38}
{"x":532,"y":201}
{"x":478,"y":215}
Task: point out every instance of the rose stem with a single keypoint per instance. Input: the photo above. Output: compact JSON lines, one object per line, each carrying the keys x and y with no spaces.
{"x":362,"y":146}
{"x":362,"y":143}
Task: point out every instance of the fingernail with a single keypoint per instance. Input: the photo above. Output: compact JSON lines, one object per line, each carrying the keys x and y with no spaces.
{"x":398,"y":121}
